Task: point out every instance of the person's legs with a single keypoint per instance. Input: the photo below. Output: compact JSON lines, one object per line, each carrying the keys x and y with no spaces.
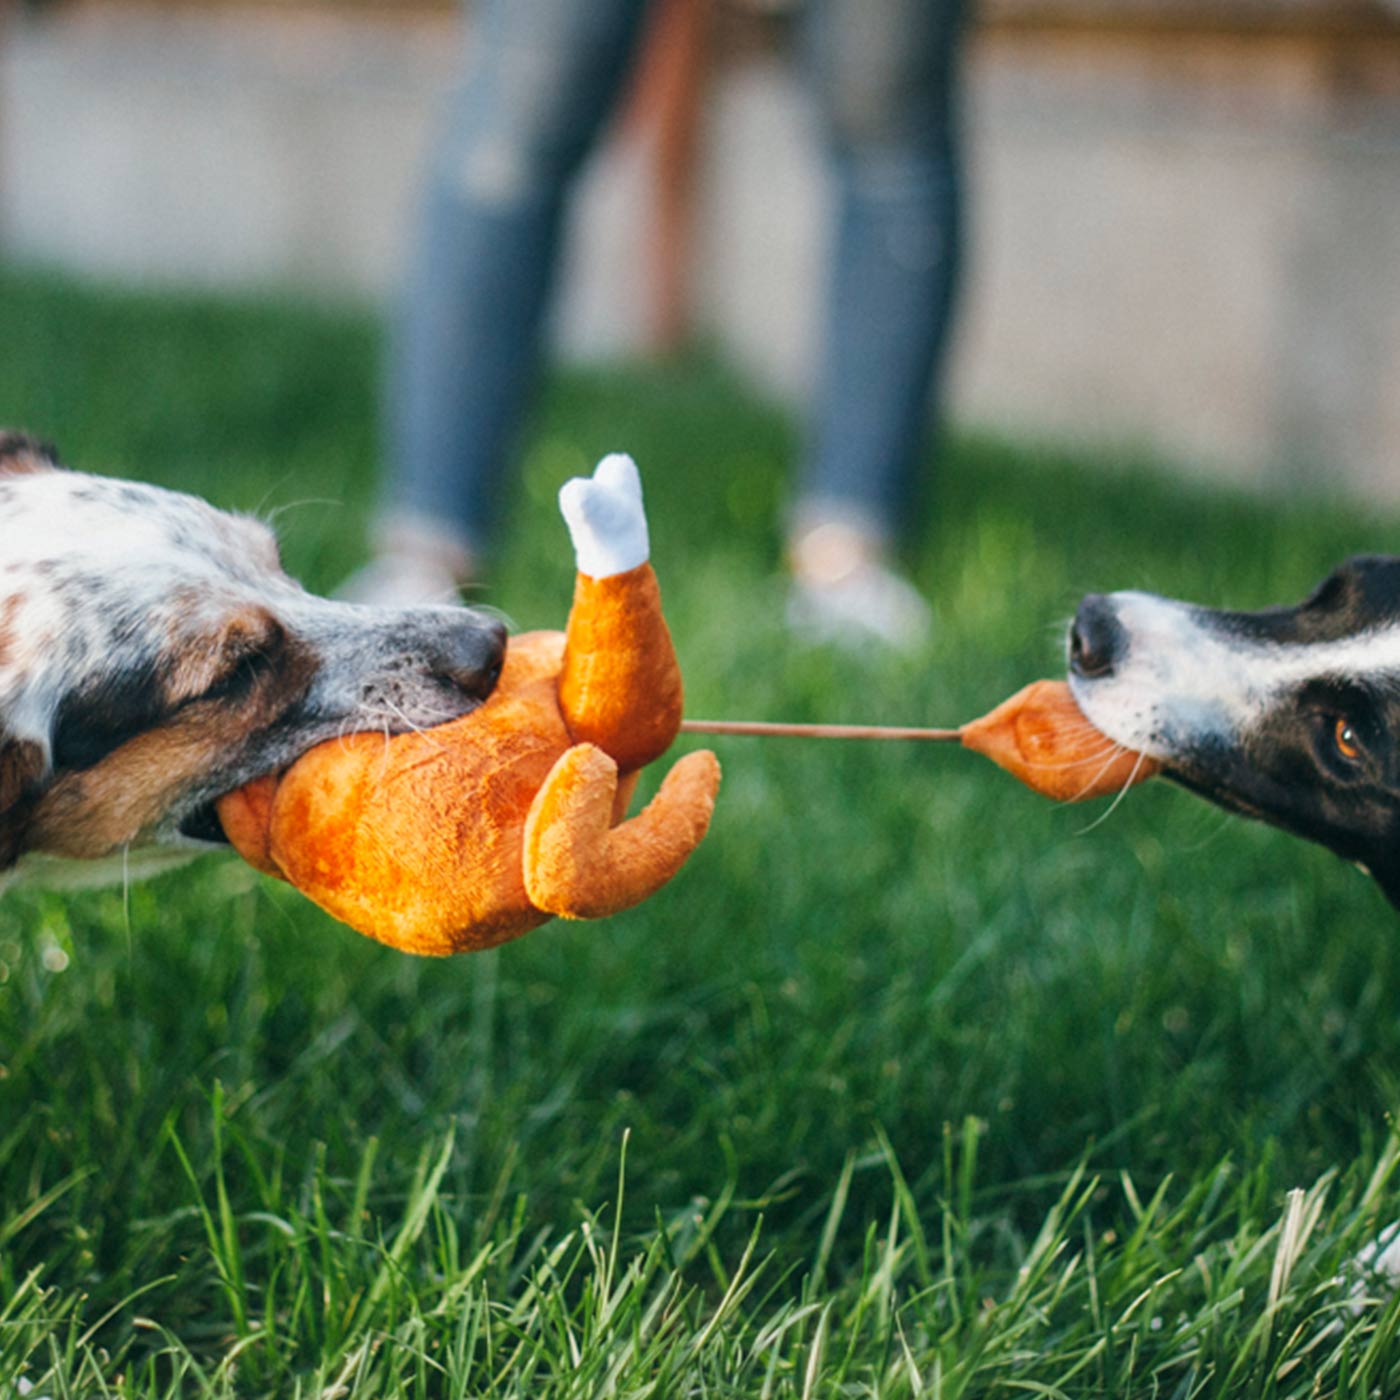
{"x":885,"y":76}
{"x":541,"y":79}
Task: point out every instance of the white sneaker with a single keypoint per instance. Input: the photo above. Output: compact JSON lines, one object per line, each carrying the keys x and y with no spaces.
{"x":414,"y":563}
{"x":399,"y":581}
{"x":845,"y":594}
{"x":872,"y":604}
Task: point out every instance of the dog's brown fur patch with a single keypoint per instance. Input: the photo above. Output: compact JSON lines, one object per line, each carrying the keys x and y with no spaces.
{"x":203,"y":661}
{"x":119,"y":801}
{"x":21,"y":454}
{"x":9,"y":613}
{"x":22,"y":768}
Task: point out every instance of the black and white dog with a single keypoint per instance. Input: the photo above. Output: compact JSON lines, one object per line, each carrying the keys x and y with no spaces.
{"x":1290,"y":715}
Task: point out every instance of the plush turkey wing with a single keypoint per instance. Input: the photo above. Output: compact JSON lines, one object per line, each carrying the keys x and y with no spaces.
{"x":1040,"y":736}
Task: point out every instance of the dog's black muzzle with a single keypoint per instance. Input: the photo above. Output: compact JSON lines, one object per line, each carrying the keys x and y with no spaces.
{"x":1097,"y":641}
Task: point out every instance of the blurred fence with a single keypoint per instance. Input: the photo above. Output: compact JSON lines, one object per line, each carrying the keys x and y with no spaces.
{"x":1185,"y":229}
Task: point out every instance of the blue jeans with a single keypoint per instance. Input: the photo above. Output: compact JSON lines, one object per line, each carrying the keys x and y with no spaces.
{"x":541,"y":78}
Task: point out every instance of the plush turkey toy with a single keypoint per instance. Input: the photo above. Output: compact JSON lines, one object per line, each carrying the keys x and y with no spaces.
{"x":473,"y":832}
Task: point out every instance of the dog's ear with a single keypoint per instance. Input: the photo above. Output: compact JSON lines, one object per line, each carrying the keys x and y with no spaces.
{"x":21,"y":454}
{"x":24,"y":764}
{"x":22,"y":770}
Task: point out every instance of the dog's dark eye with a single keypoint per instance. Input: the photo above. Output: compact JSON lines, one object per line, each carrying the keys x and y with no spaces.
{"x":1345,"y":737}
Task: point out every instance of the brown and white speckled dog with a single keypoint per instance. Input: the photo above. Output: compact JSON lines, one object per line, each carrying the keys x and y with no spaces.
{"x":154,"y":655}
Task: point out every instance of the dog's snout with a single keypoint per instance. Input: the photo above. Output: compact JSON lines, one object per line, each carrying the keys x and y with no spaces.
{"x":1096,"y":638}
{"x":470,"y":656}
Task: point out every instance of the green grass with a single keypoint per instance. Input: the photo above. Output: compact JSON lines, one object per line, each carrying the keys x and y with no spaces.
{"x":913,"y":1084}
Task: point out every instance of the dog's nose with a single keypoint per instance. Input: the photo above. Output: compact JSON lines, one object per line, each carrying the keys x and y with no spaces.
{"x":1096,"y":638}
{"x":470,"y":656}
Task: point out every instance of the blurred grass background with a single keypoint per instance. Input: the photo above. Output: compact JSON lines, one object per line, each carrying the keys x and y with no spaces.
{"x":937,"y":1041}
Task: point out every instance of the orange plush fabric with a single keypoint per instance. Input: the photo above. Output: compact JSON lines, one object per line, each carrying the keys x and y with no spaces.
{"x":1040,"y":735}
{"x":471,"y":833}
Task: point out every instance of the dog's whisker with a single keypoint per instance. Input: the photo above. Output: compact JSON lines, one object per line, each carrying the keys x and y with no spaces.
{"x":1076,"y":728}
{"x":1122,"y":793}
{"x":413,"y":726}
{"x":269,"y":515}
{"x":1101,"y":770}
{"x":1110,"y":751}
{"x":126,"y":891}
{"x":1220,"y":823}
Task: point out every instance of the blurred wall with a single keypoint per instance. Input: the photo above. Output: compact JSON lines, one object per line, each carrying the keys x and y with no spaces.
{"x":1189,"y":246}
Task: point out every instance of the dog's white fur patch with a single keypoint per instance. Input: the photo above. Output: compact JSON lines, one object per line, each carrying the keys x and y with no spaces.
{"x":1180,"y":678}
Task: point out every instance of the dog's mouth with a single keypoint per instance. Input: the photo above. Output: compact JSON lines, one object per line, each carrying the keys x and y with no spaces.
{"x":203,"y":825}
{"x":1108,"y":720}
{"x":1207,"y":787}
